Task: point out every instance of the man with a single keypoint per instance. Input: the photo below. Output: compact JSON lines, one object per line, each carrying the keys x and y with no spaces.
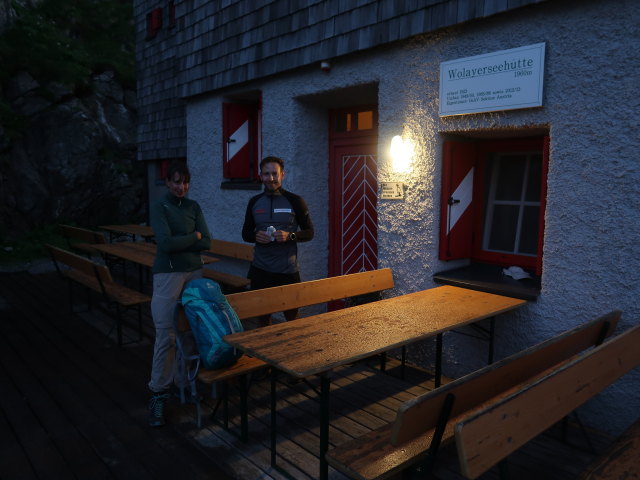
{"x":181,"y":234}
{"x":275,"y":220}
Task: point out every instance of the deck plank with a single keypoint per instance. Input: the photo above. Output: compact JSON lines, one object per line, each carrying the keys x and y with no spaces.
{"x":73,"y":405}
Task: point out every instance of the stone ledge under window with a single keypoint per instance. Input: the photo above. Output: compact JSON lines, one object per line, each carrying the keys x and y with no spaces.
{"x":489,"y":278}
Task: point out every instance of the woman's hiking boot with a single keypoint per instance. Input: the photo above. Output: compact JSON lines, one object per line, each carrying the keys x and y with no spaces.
{"x":156,"y":408}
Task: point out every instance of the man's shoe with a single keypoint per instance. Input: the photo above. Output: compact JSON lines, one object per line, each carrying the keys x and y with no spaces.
{"x":156,"y":408}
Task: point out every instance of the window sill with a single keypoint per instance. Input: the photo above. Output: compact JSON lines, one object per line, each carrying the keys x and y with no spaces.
{"x":241,"y":185}
{"x":489,"y":278}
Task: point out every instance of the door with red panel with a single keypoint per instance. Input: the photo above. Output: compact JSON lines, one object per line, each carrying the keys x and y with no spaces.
{"x":353,"y":191}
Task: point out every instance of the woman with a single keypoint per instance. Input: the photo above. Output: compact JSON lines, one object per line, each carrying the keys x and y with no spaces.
{"x":181,"y":233}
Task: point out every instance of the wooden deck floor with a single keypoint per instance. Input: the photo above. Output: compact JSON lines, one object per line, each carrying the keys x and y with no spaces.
{"x":73,"y":405}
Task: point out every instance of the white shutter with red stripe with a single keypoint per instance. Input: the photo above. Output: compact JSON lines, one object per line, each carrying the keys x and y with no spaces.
{"x":456,"y":207}
{"x":240,"y":140}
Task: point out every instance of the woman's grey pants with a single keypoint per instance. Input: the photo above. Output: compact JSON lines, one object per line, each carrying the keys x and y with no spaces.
{"x":167,"y":288}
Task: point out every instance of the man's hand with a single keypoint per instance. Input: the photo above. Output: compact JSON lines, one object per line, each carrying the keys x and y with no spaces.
{"x":280,"y":236}
{"x":263,"y":237}
{"x":198,"y":235}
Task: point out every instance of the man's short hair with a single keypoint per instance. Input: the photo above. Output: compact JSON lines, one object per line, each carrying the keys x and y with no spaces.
{"x":277,"y":160}
{"x":181,"y":169}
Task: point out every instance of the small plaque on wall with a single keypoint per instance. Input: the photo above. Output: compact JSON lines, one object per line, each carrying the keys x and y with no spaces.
{"x":392,"y":190}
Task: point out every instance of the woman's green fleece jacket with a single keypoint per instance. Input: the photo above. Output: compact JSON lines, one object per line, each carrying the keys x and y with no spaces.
{"x":175,"y":222}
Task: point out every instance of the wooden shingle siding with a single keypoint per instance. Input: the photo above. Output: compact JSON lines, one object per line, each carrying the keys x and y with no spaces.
{"x":216,"y":44}
{"x":281,"y":35}
{"x":161,"y":112}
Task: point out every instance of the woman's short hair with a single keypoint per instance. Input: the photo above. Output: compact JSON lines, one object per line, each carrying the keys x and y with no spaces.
{"x":181,"y":169}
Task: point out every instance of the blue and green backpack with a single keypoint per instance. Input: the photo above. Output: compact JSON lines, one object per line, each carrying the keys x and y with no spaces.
{"x":211,"y":318}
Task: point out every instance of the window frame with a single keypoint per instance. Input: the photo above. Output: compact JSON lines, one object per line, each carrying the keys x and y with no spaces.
{"x":466,"y":240}
{"x":484,"y":149}
{"x":494,"y":181}
{"x":355,"y":112}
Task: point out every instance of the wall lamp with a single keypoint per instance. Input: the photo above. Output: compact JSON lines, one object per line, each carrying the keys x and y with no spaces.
{"x":401,"y":154}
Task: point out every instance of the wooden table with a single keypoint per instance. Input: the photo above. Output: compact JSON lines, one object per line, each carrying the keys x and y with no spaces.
{"x":141,"y":253}
{"x":132,"y":229}
{"x":315,"y":345}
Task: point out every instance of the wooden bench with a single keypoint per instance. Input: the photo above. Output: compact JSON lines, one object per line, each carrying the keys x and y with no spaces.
{"x":129,"y":231}
{"x":96,"y":277}
{"x":620,"y":461}
{"x":82,"y":239}
{"x":422,"y":424}
{"x":492,"y":433}
{"x":238,"y":251}
{"x":255,"y":303}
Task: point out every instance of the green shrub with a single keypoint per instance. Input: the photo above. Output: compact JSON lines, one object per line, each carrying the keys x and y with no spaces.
{"x":67,"y":41}
{"x":30,"y":245}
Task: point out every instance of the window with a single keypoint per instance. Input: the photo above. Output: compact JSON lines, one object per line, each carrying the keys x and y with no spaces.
{"x":241,"y":140}
{"x":163,"y":166}
{"x":348,"y":121}
{"x":493,"y":201}
{"x":154,"y":22}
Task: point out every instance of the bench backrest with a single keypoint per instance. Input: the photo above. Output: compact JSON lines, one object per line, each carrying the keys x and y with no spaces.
{"x":254,"y":303}
{"x":489,"y":435}
{"x":81,"y":234}
{"x":81,"y":264}
{"x":240,"y":251}
{"x":421,"y":414}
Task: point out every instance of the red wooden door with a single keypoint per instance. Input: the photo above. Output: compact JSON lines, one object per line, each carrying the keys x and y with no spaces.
{"x":353,"y":236}
{"x":353,"y":190}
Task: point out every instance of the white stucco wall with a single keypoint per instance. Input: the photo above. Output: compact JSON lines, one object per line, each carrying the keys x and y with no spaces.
{"x":591,"y":106}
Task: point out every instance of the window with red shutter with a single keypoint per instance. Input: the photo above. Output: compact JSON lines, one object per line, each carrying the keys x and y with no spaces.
{"x":241,"y":140}
{"x":493,"y":201}
{"x":163,"y":167}
{"x":154,"y":22}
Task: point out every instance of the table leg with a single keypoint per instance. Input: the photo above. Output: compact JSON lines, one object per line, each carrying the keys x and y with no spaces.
{"x":274,"y":375}
{"x":492,"y":327}
{"x":438,"y":360}
{"x":325,"y":413}
{"x":324,"y":425}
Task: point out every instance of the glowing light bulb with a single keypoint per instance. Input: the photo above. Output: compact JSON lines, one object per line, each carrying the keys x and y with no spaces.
{"x":401,"y":153}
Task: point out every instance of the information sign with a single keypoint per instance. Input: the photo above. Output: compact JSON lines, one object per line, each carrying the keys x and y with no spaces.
{"x":504,"y":80}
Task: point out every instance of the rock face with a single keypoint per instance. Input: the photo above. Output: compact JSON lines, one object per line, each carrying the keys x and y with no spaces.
{"x":67,"y":155}
{"x":74,"y":158}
